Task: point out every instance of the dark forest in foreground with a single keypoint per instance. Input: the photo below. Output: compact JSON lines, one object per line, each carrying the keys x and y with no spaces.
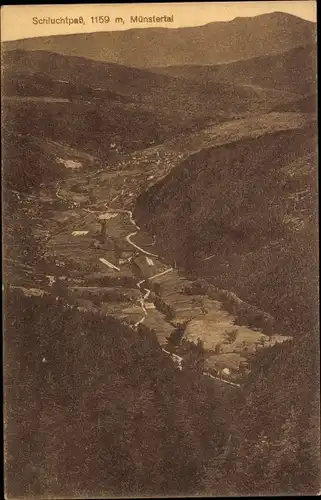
{"x":100,"y":409}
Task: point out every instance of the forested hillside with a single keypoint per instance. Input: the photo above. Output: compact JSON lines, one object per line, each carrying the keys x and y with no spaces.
{"x":276,"y":444}
{"x":104,"y":409}
{"x":243,"y":215}
{"x":27,"y":165}
{"x":124,"y":407}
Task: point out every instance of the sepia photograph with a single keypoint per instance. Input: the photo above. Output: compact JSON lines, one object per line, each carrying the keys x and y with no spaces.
{"x":160,"y":250}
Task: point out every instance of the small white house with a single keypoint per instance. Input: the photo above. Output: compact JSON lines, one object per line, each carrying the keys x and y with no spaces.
{"x":150,"y":305}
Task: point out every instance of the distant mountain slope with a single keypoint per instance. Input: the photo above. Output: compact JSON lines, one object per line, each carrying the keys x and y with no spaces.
{"x":241,"y":38}
{"x":243,"y":215}
{"x":85,"y":104}
{"x":79,"y":70}
{"x":294,"y":70}
{"x":157,"y":105}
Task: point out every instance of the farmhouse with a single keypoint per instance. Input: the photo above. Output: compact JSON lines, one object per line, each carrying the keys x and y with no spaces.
{"x":229,"y":365}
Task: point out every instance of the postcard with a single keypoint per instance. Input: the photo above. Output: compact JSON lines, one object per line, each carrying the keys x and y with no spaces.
{"x":160,"y":262}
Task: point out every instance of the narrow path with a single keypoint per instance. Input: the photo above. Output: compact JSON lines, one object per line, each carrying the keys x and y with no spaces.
{"x":148,"y":291}
{"x":177,"y":359}
{"x":161,"y":274}
{"x":140,"y":321}
{"x":57,"y":193}
{"x":210,"y":257}
{"x":221,"y":379}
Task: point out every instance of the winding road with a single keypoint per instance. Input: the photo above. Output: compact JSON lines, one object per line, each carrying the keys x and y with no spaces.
{"x":138,"y":247}
{"x":144,"y":296}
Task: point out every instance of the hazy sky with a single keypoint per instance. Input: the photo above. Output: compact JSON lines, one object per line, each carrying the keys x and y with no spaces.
{"x":17,"y":20}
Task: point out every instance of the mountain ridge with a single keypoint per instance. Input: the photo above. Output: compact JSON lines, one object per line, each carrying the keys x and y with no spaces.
{"x":266,"y":34}
{"x":175,"y":104}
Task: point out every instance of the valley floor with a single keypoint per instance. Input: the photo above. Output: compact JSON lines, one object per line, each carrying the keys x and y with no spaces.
{"x":107,"y":263}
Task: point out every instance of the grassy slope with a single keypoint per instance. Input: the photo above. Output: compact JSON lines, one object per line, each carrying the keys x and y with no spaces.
{"x":293,"y":71}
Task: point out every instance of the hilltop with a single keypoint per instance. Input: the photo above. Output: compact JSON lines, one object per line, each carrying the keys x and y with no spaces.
{"x":216,"y":42}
